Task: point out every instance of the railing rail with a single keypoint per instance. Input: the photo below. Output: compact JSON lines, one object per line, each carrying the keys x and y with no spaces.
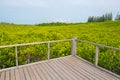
{"x":34,"y":43}
{"x":97,"y":49}
{"x":27,"y":44}
{"x":100,"y":45}
{"x":74,"y":43}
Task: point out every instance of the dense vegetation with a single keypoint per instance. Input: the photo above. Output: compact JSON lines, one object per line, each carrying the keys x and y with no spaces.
{"x":106,"y":33}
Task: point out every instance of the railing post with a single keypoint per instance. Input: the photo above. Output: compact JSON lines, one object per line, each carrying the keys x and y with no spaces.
{"x":48,"y":54}
{"x":16,"y":56}
{"x":96,"y":55}
{"x":74,"y":46}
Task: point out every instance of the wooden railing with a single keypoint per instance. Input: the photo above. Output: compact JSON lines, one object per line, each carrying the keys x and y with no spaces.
{"x":27,"y":44}
{"x":97,"y":49}
{"x":73,"y":51}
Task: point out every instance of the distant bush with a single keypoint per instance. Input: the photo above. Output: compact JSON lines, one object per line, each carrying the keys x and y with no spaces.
{"x":52,"y":24}
{"x":5,"y":23}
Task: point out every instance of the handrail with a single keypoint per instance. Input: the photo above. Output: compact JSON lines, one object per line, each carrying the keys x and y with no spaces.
{"x":100,"y":45}
{"x":74,"y":39}
{"x":26,"y":44}
{"x":74,"y":43}
{"x":97,"y":49}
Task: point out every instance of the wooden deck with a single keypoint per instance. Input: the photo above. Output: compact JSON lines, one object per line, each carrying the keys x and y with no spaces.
{"x":64,"y":68}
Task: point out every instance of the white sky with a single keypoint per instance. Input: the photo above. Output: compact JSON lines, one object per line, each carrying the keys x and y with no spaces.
{"x":37,"y":11}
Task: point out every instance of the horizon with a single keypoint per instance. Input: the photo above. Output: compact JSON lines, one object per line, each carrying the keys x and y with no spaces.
{"x":47,"y":11}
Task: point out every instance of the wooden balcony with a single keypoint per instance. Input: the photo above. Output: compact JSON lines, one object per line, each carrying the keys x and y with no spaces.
{"x":64,"y":68}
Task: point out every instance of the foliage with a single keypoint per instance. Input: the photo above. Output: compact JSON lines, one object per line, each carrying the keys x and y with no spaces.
{"x":106,"y":33}
{"x":104,"y":17}
{"x":117,"y":16}
{"x":54,"y":24}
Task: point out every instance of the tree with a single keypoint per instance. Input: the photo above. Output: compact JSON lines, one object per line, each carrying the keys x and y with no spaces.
{"x":104,"y":17}
{"x":117,"y":16}
{"x":109,"y":16}
{"x":90,"y":19}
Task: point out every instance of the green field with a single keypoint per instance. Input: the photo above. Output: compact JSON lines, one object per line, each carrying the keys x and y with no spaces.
{"x":107,"y":33}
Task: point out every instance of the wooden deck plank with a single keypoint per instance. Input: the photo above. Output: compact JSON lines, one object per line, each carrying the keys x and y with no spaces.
{"x":92,"y":72}
{"x":56,"y":71}
{"x":86,"y":67}
{"x":2,"y":75}
{"x":31,"y":73}
{"x":12,"y":74}
{"x":80,"y":69}
{"x":22,"y":75}
{"x":99,"y":72}
{"x":53,"y":72}
{"x":36,"y":73}
{"x":93,"y":69}
{"x":68,"y":71}
{"x":7,"y":75}
{"x":60,"y":72}
{"x":45,"y":72}
{"x":26,"y":74}
{"x":80,"y":75}
{"x":40,"y":72}
{"x":50,"y":72}
{"x":17,"y":75}
{"x":65,"y":68}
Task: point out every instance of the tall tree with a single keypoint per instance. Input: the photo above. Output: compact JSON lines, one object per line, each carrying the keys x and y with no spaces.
{"x":104,"y":17}
{"x":117,"y":16}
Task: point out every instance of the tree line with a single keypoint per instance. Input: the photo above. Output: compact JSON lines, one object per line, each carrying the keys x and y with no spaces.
{"x":104,"y":17}
{"x":117,"y":16}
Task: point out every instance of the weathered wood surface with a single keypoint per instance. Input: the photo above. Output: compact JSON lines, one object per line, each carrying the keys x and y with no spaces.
{"x":64,"y":68}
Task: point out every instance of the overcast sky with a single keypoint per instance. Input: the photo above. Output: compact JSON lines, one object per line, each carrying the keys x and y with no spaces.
{"x":40,"y":11}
